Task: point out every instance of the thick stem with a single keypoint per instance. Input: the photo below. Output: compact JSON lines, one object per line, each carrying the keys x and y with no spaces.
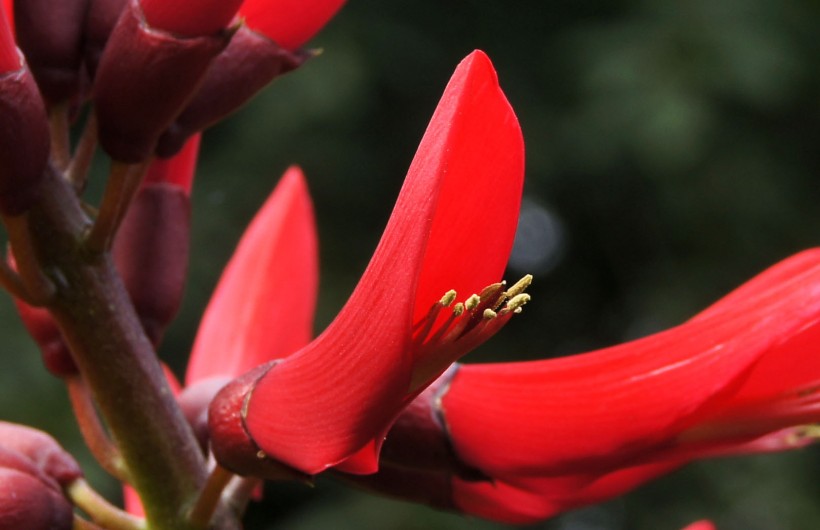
{"x":117,"y":362}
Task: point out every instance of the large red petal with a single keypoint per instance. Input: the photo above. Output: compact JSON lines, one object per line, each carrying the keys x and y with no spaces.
{"x":323,"y":404}
{"x":604,"y":408}
{"x":474,"y":226}
{"x":262,"y":308}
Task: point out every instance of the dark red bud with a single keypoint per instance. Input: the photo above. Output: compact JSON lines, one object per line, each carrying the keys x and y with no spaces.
{"x":41,"y":450}
{"x":24,"y":141}
{"x":144,"y":80}
{"x":249,"y":63}
{"x":231,"y":444}
{"x":50,"y":34}
{"x":27,"y":503}
{"x":151,"y":254}
{"x":189,"y":18}
{"x":101,"y":17}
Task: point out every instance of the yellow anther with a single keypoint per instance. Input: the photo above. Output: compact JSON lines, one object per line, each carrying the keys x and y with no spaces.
{"x":472,"y":302}
{"x":489,"y":314}
{"x":517,"y":301}
{"x":448,"y":298}
{"x":519,"y":286}
{"x":458,"y":309}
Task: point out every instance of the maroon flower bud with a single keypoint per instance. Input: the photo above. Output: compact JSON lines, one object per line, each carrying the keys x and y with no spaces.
{"x":101,"y":17}
{"x":264,"y":48}
{"x":145,"y":77}
{"x":50,"y":34}
{"x":27,"y":503}
{"x":249,"y":63}
{"x":41,"y":450}
{"x":151,"y":247}
{"x":24,"y":134}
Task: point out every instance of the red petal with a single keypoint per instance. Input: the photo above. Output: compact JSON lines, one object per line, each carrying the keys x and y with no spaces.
{"x":9,"y":56}
{"x":543,"y":498}
{"x":603,"y":408}
{"x":289,"y":23}
{"x":701,"y":525}
{"x":262,"y":308}
{"x":190,"y":18}
{"x":323,"y":404}
{"x":179,"y":169}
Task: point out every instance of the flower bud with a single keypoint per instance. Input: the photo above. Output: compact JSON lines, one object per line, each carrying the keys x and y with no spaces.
{"x":151,"y":247}
{"x":145,"y":77}
{"x":28,"y":503}
{"x":249,"y":63}
{"x":100,"y":19}
{"x":24,"y":135}
{"x":41,"y":450}
{"x":50,"y":34}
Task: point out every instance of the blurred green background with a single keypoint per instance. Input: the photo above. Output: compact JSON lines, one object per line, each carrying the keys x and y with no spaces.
{"x":672,"y":152}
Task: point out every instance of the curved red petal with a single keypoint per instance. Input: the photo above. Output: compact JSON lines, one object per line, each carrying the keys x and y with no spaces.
{"x":179,"y":169}
{"x":9,"y":55}
{"x":325,"y":403}
{"x":475,"y":223}
{"x":263,"y":305}
{"x":604,"y":408}
{"x":289,"y":23}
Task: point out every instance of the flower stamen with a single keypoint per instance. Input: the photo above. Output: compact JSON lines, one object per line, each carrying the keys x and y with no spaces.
{"x":440,"y":341}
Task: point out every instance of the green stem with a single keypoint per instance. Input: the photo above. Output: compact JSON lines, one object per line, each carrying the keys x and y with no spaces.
{"x":118,"y":363}
{"x":208,"y":500}
{"x":77,"y":172}
{"x":100,"y":510}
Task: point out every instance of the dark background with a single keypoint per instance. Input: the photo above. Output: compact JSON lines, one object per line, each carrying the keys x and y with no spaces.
{"x":672,"y":152}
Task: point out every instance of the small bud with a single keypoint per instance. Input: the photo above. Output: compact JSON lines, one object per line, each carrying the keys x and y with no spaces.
{"x":24,"y":135}
{"x":151,"y":246}
{"x":41,"y":450}
{"x":43,"y":329}
{"x":100,"y":20}
{"x":145,"y":78}
{"x":28,"y":503}
{"x":249,"y":63}
{"x":50,"y":35}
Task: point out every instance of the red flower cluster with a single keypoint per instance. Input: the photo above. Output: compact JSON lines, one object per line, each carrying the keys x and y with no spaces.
{"x":378,"y":397}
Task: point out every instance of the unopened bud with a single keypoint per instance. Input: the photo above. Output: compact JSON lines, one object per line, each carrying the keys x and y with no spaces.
{"x":249,"y":63}
{"x":100,"y":20}
{"x":24,"y":134}
{"x":50,"y":34}
{"x":144,"y":80}
{"x":28,"y":503}
{"x":151,"y":254}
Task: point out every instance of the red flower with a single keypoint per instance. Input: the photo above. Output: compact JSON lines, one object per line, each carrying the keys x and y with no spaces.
{"x":701,"y":525}
{"x":538,"y":438}
{"x":451,"y":231}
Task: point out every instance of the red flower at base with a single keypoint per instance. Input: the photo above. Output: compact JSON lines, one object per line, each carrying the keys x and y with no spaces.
{"x":538,"y":438}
